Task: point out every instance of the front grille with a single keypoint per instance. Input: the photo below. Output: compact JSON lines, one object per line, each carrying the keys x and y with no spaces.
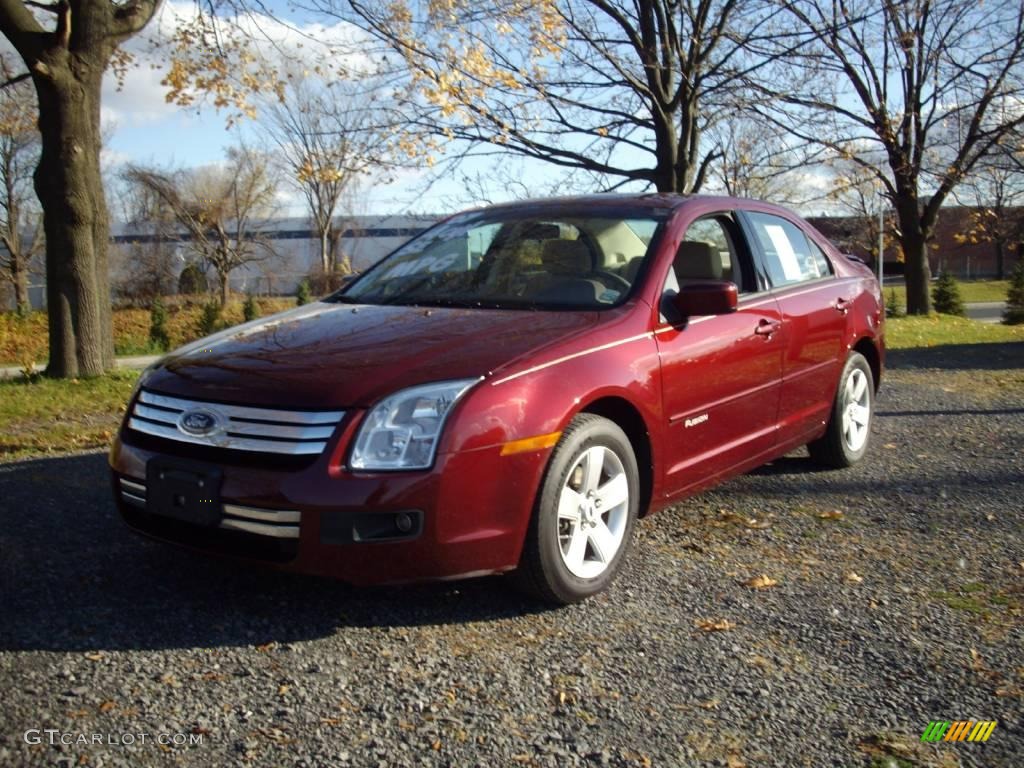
{"x":276,"y":523}
{"x":235,"y":427}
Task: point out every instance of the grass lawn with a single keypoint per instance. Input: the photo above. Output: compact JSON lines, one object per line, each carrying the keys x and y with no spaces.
{"x":940,"y":330}
{"x":23,"y":339}
{"x":970,"y":292}
{"x":43,"y":416}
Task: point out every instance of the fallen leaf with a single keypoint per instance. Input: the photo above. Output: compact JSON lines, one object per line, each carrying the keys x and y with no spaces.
{"x":733,"y":760}
{"x":282,"y":690}
{"x":834,"y":514}
{"x":714,"y":625}
{"x":890,"y":446}
{"x":275,"y":735}
{"x":97,"y":656}
{"x":436,"y":746}
{"x":169,"y":679}
{"x":106,"y":706}
{"x":265,"y":647}
{"x":760,"y":582}
{"x":853,"y":578}
{"x":709,"y":704}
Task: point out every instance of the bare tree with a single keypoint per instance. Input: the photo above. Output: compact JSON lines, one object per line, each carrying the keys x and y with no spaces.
{"x":620,"y":89}
{"x":757,"y":160}
{"x":995,"y":191}
{"x":915,"y":92}
{"x":857,"y":196}
{"x":19,"y":153}
{"x":327,"y":136}
{"x":219,"y":208}
{"x":146,"y":266}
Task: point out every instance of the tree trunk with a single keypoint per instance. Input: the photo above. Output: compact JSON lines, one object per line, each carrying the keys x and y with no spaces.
{"x":19,"y":276}
{"x":70,"y":188}
{"x":325,"y":250}
{"x":914,"y":244}
{"x":222,"y":276}
{"x":1000,"y":258}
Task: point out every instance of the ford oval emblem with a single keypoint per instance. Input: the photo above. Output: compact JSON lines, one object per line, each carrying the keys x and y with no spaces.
{"x":199,"y":422}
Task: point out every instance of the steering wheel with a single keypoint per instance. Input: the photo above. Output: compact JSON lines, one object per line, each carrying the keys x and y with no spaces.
{"x":616,"y":280}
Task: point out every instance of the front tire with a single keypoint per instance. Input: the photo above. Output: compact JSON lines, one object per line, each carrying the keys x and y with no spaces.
{"x":848,"y":433}
{"x":582,"y":524}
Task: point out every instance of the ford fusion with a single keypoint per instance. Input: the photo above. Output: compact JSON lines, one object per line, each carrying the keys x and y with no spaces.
{"x":508,"y":392}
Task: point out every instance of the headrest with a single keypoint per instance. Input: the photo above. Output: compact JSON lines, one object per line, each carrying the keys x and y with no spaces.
{"x":566,"y":257}
{"x":696,"y":260}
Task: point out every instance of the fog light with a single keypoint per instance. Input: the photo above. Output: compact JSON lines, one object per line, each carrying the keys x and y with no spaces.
{"x":403,"y":522}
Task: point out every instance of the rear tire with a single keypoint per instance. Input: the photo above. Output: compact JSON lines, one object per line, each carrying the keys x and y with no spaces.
{"x":848,"y":433}
{"x":582,"y":523}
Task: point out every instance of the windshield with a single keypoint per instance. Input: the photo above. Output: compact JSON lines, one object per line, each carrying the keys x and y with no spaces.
{"x":504,"y":259}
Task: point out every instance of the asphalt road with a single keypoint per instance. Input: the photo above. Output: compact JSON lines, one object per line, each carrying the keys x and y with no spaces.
{"x":899,"y":600}
{"x":986,"y":311}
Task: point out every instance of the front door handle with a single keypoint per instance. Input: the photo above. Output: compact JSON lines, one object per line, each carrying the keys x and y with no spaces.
{"x":842,"y":306}
{"x":767,"y":327}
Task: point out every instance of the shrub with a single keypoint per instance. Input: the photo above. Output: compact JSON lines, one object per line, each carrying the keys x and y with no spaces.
{"x":946,"y":296}
{"x":249,"y":309}
{"x":1014,"y":312}
{"x":302,"y":293}
{"x":192,"y":280}
{"x":210,"y":318}
{"x":322,"y":283}
{"x":892,"y":305}
{"x":158,"y":325}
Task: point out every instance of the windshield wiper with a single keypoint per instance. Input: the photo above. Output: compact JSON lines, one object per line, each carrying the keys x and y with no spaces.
{"x":340,"y":298}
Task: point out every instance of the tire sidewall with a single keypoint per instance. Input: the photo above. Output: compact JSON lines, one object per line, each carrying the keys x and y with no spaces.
{"x":599,"y":432}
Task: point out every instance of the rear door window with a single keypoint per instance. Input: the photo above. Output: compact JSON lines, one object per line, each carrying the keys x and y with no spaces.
{"x":790,"y":257}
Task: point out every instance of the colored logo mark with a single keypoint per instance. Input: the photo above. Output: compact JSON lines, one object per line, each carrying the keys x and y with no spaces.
{"x":958,"y":730}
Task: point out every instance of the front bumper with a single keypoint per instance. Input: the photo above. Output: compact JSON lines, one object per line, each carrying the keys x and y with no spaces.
{"x":467,"y":516}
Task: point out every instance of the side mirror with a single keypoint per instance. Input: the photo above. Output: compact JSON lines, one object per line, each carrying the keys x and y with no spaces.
{"x":717,"y":297}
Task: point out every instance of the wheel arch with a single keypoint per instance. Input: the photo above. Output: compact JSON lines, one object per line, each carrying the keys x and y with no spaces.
{"x":866,"y":346}
{"x":628,"y":418}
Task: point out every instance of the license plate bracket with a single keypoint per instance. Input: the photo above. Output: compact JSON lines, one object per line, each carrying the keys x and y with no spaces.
{"x":184,"y":490}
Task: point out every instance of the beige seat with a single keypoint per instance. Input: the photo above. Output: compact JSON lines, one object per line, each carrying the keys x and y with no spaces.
{"x":697,"y":260}
{"x":566,"y":265}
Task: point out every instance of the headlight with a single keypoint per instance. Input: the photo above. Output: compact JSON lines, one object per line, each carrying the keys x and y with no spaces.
{"x":402,"y":431}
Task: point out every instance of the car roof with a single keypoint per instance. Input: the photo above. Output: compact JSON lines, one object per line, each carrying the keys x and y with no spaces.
{"x":654,"y":201}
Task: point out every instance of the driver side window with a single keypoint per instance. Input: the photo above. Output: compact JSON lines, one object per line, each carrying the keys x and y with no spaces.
{"x":707,"y":252}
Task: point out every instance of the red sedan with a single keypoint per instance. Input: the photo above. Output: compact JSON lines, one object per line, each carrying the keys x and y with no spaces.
{"x":510,"y":391}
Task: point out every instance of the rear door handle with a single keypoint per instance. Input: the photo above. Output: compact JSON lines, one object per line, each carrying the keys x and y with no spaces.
{"x":842,"y":306}
{"x":767,"y":328}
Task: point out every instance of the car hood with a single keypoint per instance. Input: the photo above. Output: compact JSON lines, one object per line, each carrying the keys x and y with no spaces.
{"x":325,"y":355}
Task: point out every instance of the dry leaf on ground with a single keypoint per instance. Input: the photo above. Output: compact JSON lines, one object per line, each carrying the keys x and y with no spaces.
{"x":760,"y":582}
{"x":714,"y":625}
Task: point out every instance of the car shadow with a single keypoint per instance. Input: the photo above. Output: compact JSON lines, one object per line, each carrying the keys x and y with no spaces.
{"x":996,"y":356}
{"x":791,"y":464}
{"x":73,"y":577}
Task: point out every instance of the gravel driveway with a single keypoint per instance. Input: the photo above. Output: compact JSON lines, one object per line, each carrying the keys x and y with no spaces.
{"x":898,"y":601}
